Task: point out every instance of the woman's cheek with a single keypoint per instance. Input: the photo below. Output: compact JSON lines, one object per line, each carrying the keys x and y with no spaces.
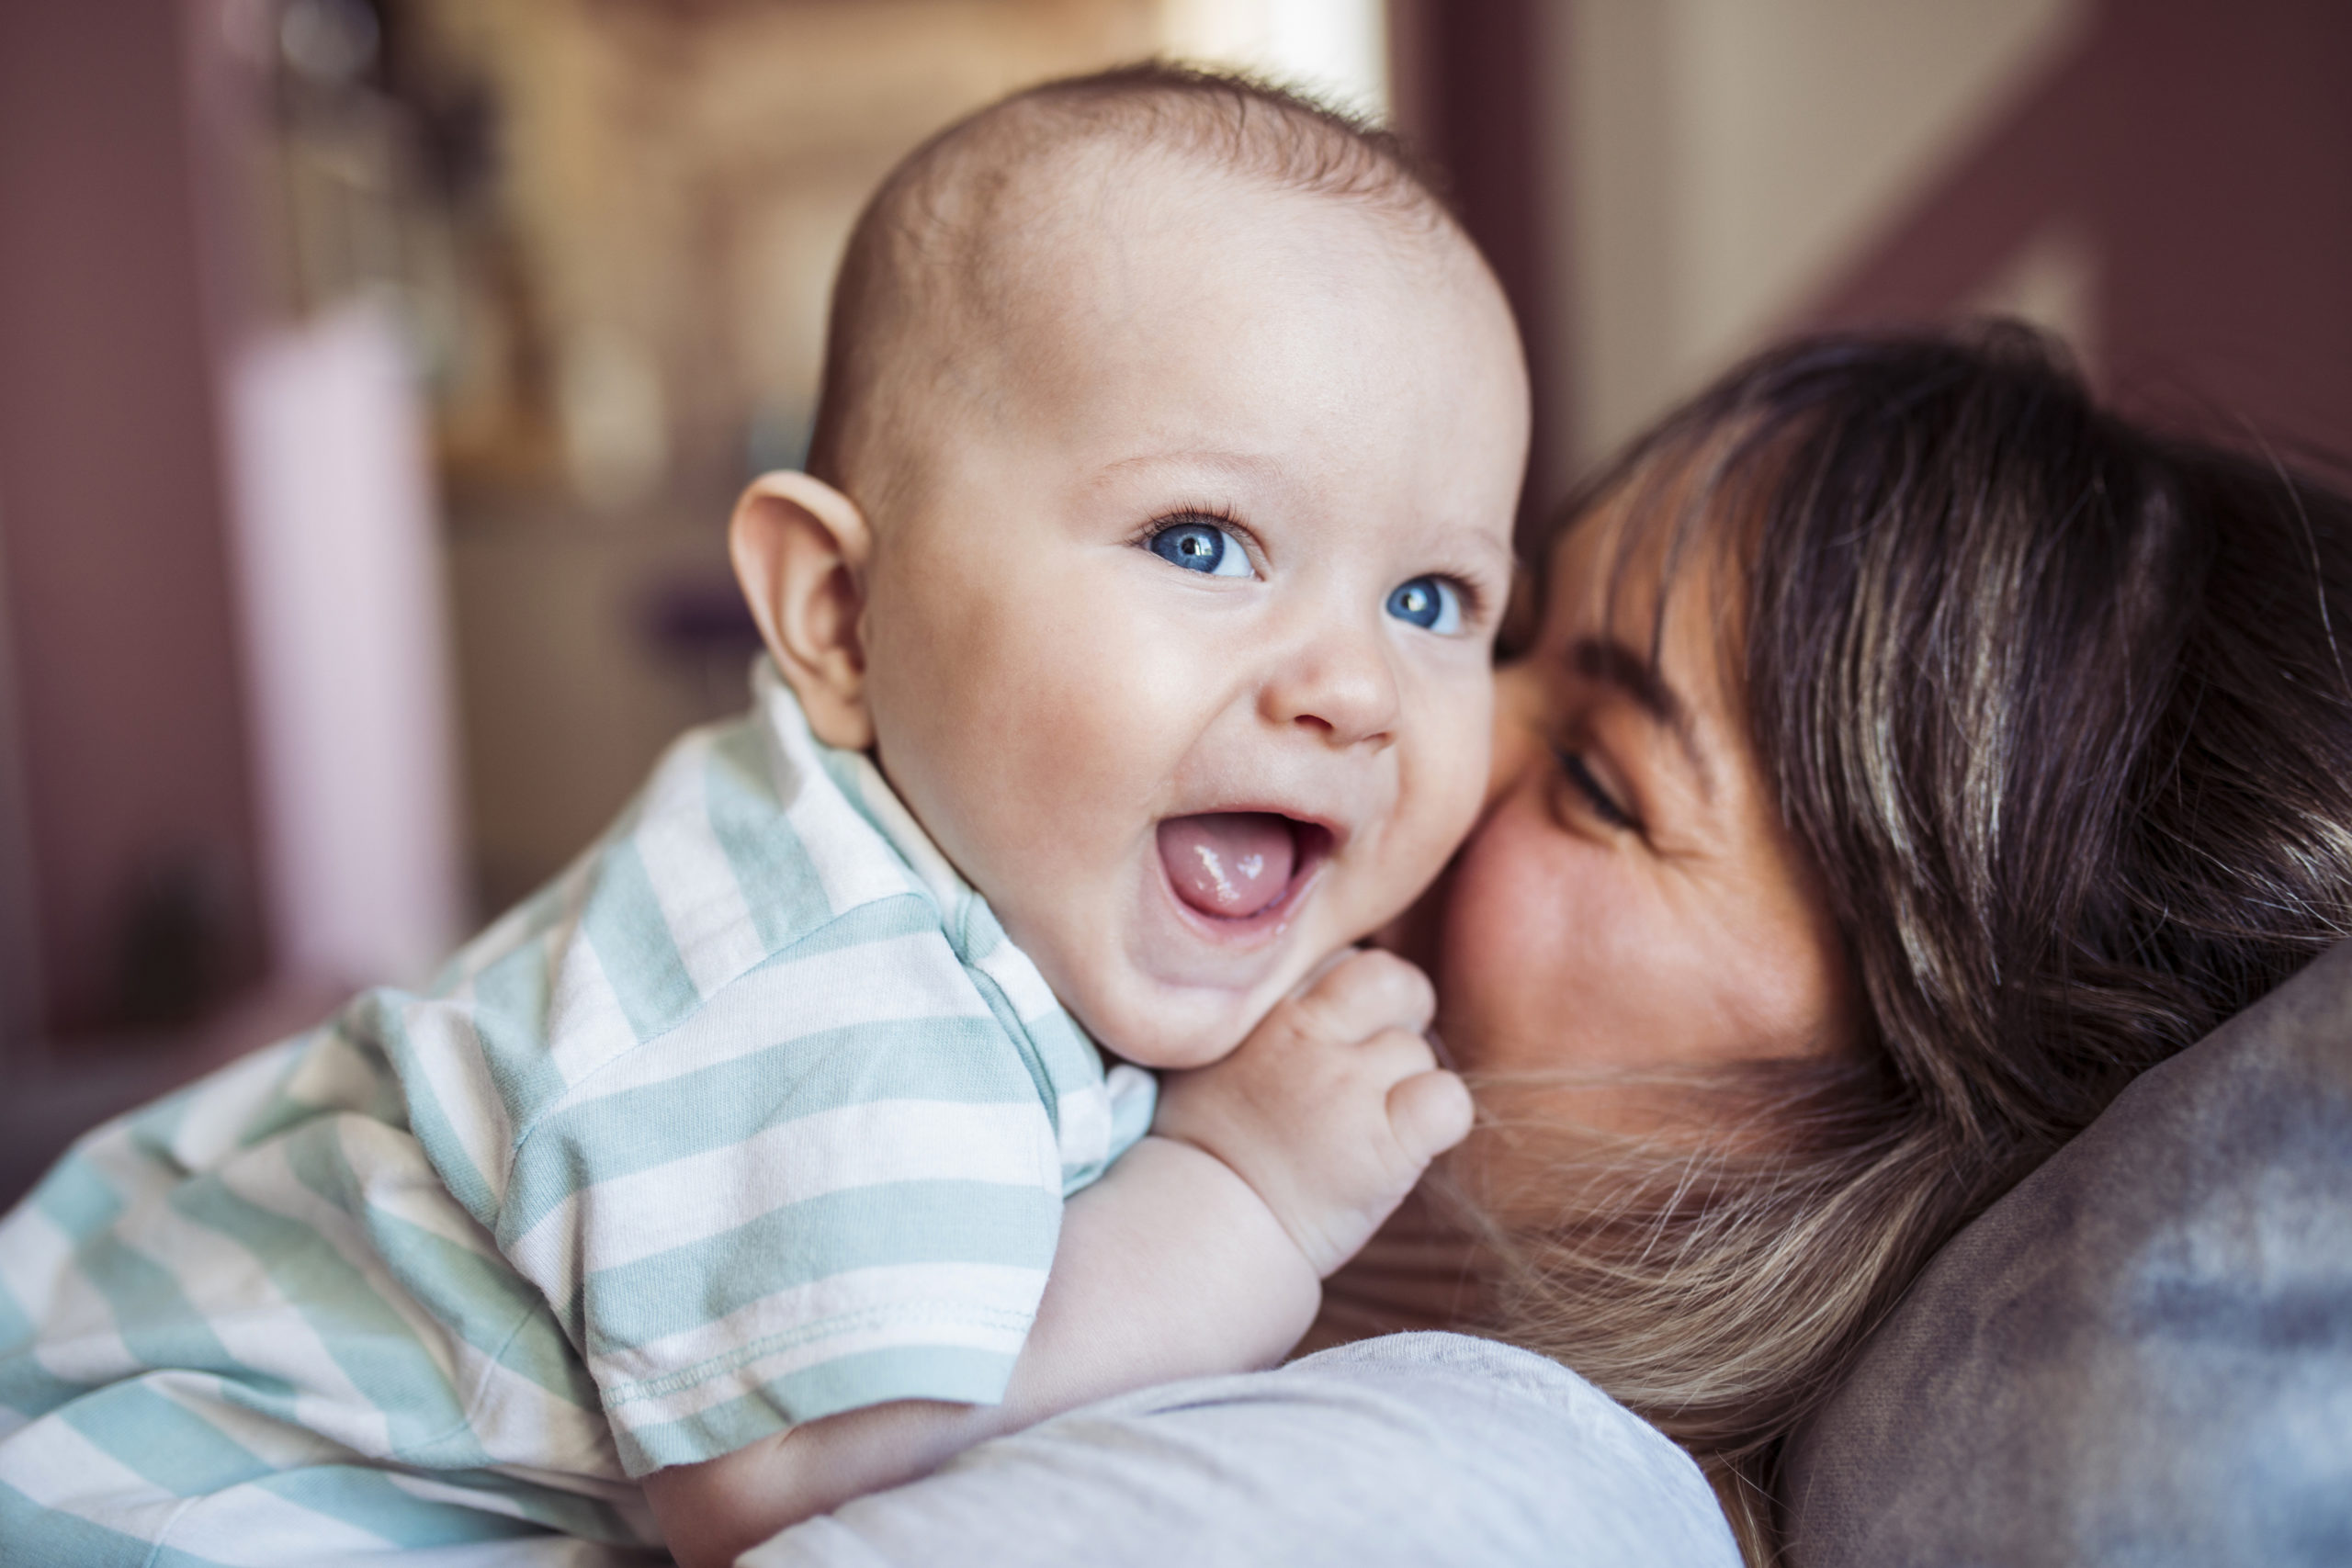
{"x":1514,"y":941}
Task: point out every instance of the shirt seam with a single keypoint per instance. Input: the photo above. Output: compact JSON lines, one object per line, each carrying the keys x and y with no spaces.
{"x":839,"y":1324}
{"x":530,"y":1129}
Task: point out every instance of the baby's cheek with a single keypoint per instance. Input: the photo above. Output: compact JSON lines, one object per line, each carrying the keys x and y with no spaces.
{"x":1448,"y":773}
{"x":1441,"y":789}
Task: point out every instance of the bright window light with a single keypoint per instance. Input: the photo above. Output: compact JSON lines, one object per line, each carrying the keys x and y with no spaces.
{"x":1335,"y":49}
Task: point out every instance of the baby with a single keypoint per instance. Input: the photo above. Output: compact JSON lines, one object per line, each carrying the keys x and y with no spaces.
{"x":1128,"y":647}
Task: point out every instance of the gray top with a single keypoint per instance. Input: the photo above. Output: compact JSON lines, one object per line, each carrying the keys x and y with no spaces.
{"x":1414,"y":1448}
{"x":2144,"y":1354}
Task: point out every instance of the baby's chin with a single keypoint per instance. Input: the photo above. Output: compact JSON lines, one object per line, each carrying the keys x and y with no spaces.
{"x":1172,"y":1028}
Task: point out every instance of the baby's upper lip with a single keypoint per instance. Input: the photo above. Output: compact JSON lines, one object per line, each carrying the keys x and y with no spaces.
{"x":1273,"y":805}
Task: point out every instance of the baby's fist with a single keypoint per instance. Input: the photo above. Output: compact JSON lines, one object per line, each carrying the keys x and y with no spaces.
{"x":1333,"y":1106}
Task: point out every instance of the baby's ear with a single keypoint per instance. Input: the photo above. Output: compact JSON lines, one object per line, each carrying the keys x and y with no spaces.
{"x":800,"y":548}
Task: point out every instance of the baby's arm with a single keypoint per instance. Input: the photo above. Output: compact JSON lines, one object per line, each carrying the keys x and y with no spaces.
{"x":1202,"y":1250}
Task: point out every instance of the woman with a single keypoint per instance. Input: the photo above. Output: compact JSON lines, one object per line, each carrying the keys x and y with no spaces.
{"x":1910,"y":753}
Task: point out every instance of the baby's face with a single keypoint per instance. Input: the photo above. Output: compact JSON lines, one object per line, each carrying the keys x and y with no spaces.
{"x":1179,"y":644}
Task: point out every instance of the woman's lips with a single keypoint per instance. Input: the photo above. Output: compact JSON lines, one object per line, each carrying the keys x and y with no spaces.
{"x":1229,"y":865}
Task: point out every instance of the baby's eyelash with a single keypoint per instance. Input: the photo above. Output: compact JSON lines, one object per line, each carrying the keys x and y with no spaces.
{"x":1217,"y":511}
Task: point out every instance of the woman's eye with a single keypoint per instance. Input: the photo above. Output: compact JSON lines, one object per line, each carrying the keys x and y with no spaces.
{"x":1430,"y":602}
{"x":1604,"y":805}
{"x":1200,"y":546}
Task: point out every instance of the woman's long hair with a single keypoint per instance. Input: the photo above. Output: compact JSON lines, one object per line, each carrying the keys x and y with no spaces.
{"x":2060,"y":710}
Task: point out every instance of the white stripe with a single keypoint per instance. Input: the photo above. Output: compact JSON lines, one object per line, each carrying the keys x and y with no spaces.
{"x":707,"y":1194}
{"x":586,"y":1028}
{"x":693,"y":881}
{"x":906,"y":835}
{"x":34,"y":1255}
{"x":221,"y":1107}
{"x":852,"y":862}
{"x":396,"y":1180}
{"x":131,"y":1172}
{"x":446,"y":1051}
{"x":870,"y":1309}
{"x":1085,"y":1125}
{"x":77,"y":1340}
{"x":903,"y":979}
{"x":254,"y":1527}
{"x":739,"y":1381}
{"x":332,"y":1073}
{"x":1017,"y":977}
{"x":59,"y":1468}
{"x":520,"y":1423}
{"x":281,"y":1445}
{"x":227,"y":1283}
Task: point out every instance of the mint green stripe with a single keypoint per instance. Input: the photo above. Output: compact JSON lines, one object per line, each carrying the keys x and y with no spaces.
{"x":159,"y":1326}
{"x":565,"y":1513}
{"x":153,"y":1127}
{"x":348,"y":1030}
{"x":360,"y":1331}
{"x":77,"y":1197}
{"x":433,"y":1128}
{"x":35,"y":1537}
{"x":623,"y":922}
{"x":965,"y":1061}
{"x":26,"y":1386}
{"x":481,"y":1299}
{"x":881,"y":919}
{"x":1041,"y":1079}
{"x":779,"y":882}
{"x":488,"y":1304}
{"x":509,"y":1018}
{"x":161,"y":1440}
{"x":896,"y":1222}
{"x":851,"y":1383}
{"x":366,"y":1499}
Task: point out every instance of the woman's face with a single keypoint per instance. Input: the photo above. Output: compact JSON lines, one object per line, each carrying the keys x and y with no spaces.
{"x":1631,"y":903}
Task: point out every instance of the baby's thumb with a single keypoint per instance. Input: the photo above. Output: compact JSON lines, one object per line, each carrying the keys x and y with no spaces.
{"x":1430,"y":1112}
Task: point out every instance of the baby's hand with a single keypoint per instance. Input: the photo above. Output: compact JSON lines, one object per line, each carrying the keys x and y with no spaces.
{"x":1333,"y":1106}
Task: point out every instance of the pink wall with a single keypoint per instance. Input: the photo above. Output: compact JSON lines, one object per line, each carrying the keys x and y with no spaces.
{"x":119,"y":608}
{"x":2207,"y":152}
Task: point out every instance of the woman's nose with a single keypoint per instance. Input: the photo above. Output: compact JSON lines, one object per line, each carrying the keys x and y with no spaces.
{"x":1340,"y":686}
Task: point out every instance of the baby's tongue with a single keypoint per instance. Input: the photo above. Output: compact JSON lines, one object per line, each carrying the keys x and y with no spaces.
{"x":1231,"y":864}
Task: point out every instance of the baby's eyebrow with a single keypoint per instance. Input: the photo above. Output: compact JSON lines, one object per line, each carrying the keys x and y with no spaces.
{"x":1614,"y":664}
{"x":1249,"y":464}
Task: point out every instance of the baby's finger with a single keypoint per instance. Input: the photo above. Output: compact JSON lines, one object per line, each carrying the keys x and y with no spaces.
{"x":1430,"y":1112}
{"x":1391,"y":1054}
{"x":1368,"y":991}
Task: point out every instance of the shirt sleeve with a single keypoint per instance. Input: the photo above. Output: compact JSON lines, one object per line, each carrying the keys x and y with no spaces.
{"x":835,"y":1185}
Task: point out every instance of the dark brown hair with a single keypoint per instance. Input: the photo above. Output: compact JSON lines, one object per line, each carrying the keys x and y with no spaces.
{"x":2057,"y":706}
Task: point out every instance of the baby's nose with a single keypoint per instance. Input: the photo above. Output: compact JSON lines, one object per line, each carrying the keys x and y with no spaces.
{"x":1340,"y":686}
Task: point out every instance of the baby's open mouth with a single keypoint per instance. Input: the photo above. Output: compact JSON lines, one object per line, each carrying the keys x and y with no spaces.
{"x":1231,"y":865}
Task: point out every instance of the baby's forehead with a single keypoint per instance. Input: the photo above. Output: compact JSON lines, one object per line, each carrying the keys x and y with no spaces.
{"x":1022,"y":244}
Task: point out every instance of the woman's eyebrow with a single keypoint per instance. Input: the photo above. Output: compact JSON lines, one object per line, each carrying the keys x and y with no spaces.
{"x":1614,"y":664}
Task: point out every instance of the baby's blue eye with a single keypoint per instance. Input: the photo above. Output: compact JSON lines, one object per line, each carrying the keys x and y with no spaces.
{"x":1429,"y":603}
{"x":1202,"y":547}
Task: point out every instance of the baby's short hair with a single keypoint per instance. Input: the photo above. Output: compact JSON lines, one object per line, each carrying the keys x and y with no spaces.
{"x":925,"y":245}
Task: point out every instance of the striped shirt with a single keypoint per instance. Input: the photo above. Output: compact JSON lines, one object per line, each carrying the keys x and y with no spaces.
{"x":752,"y":1116}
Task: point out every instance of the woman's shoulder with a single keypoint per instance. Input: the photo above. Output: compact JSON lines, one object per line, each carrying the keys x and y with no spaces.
{"x":1405,"y":1450}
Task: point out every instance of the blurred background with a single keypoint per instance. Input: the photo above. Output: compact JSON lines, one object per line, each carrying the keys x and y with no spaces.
{"x":376,"y":375}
